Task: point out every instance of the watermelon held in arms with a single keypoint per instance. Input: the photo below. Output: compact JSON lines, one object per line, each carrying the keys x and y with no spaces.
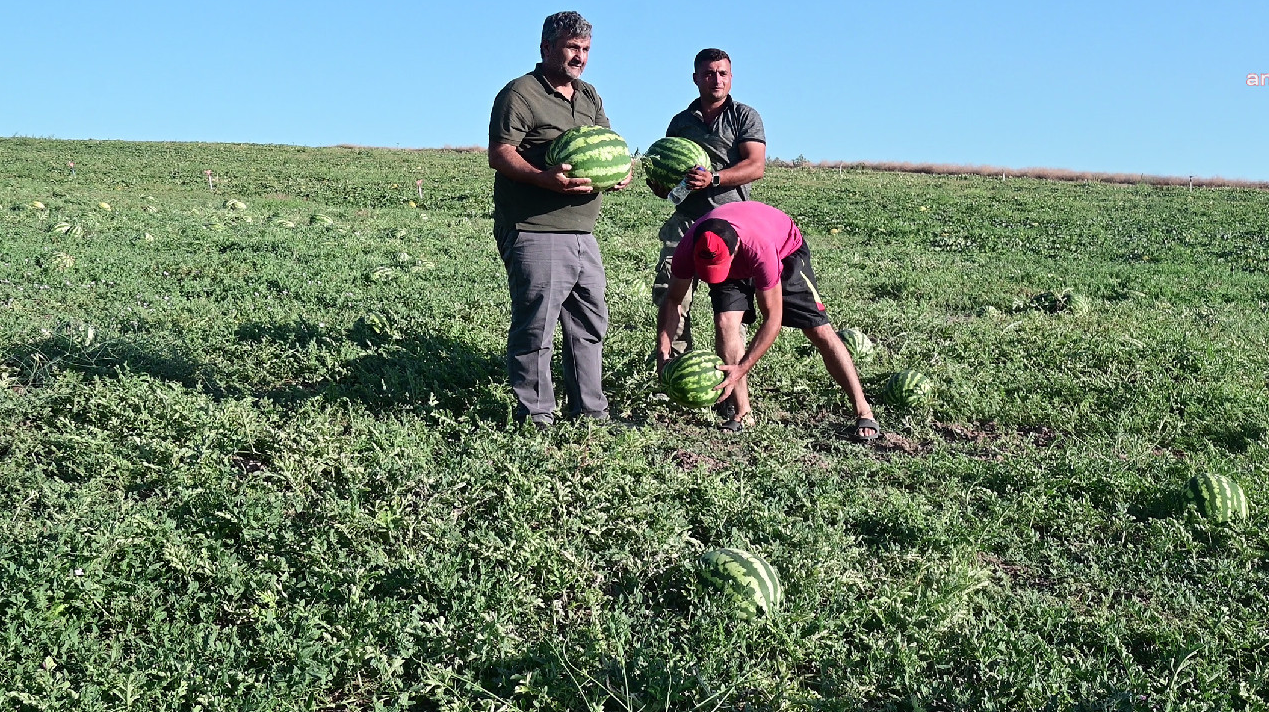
{"x":1217,"y":497}
{"x":857,"y":343}
{"x":907,"y":389}
{"x":668,"y":159}
{"x":750,"y":582}
{"x":689,"y":380}
{"x":591,"y":152}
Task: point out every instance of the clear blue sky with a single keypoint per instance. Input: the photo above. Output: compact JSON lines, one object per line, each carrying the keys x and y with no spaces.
{"x":1134,"y":87}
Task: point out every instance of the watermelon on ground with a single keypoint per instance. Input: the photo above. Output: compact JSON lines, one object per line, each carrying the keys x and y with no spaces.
{"x":857,"y":343}
{"x":1064,"y":300}
{"x":689,"y":380}
{"x":1217,"y":497}
{"x":668,"y":159}
{"x":745,"y":578}
{"x":591,"y":152}
{"x":907,"y":389}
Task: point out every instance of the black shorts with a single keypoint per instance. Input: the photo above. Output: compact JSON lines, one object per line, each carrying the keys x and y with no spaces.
{"x":803,"y":308}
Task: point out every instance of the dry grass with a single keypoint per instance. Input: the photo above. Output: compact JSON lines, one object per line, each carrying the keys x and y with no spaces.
{"x":1061,"y":174}
{"x":447,"y":147}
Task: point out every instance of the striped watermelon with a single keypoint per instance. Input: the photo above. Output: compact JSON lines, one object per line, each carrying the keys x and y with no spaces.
{"x":1065,"y":300}
{"x":857,"y":343}
{"x":907,"y":389}
{"x":1217,"y":497}
{"x":593,"y":152}
{"x":668,"y":159}
{"x":748,"y":580}
{"x":689,"y":380}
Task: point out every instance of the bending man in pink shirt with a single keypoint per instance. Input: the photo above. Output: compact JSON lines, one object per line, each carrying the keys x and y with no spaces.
{"x":752,"y":254}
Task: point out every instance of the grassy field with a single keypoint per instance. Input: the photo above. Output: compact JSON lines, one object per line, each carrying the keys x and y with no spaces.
{"x":259,"y":455}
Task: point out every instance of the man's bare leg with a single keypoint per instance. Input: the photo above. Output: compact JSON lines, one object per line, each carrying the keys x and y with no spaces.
{"x":729,"y":343}
{"x":842,"y":368}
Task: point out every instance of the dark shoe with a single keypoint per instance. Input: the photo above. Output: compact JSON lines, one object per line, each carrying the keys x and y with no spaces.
{"x":737,"y":424}
{"x":864,"y":424}
{"x":726,"y":409}
{"x":541,"y":423}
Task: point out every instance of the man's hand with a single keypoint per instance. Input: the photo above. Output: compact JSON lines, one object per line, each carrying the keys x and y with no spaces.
{"x":657,"y":189}
{"x":556,"y":179}
{"x":662,"y":360}
{"x":504,"y":158}
{"x":699,"y":178}
{"x":624,"y":181}
{"x":734,"y":375}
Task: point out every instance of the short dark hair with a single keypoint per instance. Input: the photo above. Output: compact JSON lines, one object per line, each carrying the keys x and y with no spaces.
{"x":706,"y":56}
{"x":719,"y":227}
{"x":564,"y":25}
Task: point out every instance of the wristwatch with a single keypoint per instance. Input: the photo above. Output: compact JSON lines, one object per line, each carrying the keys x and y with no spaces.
{"x":717,"y":178}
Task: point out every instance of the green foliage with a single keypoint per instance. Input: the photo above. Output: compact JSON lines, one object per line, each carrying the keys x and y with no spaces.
{"x":256,"y":450}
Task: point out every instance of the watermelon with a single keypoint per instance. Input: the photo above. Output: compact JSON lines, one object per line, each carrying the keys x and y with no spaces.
{"x":857,"y":343}
{"x":1064,"y":300}
{"x":689,"y":380}
{"x":668,"y":159}
{"x":1217,"y":497}
{"x":907,"y":389}
{"x":746,"y":579}
{"x":592,"y":152}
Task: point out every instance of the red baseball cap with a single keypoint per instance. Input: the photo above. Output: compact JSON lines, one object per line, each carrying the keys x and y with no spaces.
{"x":715,"y":243}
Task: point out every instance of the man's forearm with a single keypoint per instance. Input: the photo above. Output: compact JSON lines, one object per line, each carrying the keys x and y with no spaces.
{"x":667,"y":324}
{"x":746,"y":171}
{"x":762,"y":341}
{"x":505,"y":159}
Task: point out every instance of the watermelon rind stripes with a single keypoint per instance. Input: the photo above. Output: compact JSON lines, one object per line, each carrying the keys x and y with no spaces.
{"x":689,"y":380}
{"x":907,"y":389}
{"x":748,"y":580}
{"x":593,"y":152}
{"x":1217,"y":497}
{"x":857,"y":343}
{"x":668,"y":159}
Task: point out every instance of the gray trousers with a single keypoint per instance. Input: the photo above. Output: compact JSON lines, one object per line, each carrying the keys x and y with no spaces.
{"x":671,"y":234}
{"x":555,"y":277}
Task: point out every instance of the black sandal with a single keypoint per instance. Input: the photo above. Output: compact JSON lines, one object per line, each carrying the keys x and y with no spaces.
{"x":737,"y":424}
{"x":864,"y":424}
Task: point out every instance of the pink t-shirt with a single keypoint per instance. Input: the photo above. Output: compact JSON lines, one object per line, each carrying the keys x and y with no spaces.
{"x":767,"y":236}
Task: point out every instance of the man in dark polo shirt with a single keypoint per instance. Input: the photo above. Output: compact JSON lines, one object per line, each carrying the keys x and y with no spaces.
{"x":543,"y":222}
{"x":733,"y":136}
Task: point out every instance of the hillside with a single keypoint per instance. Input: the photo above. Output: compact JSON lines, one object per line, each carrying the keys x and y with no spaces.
{"x":256,"y":450}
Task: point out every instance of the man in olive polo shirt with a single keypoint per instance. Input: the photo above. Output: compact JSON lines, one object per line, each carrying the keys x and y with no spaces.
{"x":733,"y":136}
{"x":543,"y":222}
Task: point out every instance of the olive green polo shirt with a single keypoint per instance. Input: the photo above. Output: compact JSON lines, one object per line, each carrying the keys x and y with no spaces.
{"x":528,"y":114}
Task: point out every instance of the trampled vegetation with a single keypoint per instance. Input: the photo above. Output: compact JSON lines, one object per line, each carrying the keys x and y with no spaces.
{"x":259,"y":454}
